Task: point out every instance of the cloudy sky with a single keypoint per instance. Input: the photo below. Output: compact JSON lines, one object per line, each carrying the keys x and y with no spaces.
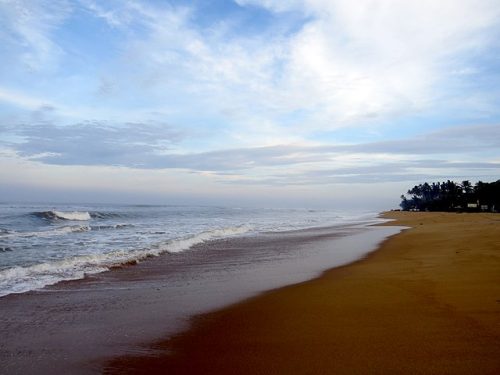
{"x":270,"y":102}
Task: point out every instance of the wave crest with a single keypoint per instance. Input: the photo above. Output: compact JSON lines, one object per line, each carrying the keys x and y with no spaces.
{"x":186,"y":243}
{"x":64,"y":215}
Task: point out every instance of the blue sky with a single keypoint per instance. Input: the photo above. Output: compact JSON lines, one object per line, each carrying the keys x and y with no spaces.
{"x":287,"y":103}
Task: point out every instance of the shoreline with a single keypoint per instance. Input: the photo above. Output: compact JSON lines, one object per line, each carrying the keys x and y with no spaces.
{"x":121,"y":311}
{"x":84,"y":265}
{"x":426,"y":301}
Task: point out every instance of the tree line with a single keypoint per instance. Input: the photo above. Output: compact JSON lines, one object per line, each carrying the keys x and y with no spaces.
{"x":452,"y":196}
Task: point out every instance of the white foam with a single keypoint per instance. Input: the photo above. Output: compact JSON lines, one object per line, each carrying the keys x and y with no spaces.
{"x":185,"y":243}
{"x":22,"y":279}
{"x":49,"y":233}
{"x":74,"y":215}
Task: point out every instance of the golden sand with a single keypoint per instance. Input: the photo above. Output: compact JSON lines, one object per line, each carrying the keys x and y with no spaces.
{"x":426,"y":302}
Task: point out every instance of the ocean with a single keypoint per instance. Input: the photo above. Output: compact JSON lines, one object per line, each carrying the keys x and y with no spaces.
{"x":42,"y":244}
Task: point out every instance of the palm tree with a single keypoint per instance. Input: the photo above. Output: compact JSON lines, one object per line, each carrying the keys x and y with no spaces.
{"x":466,"y":187}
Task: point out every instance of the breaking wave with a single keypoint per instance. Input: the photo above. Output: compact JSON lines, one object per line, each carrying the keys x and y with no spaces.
{"x":63,"y":215}
{"x":74,"y":215}
{"x":185,"y":243}
{"x":23,"y":279}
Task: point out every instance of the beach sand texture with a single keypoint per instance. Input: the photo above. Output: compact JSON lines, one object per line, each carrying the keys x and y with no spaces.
{"x":426,"y":302}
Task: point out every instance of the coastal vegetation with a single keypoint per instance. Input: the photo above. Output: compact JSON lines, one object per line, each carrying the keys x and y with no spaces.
{"x":453,"y":196}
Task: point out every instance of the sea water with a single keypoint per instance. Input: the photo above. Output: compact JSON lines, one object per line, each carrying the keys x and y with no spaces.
{"x":43,"y":244}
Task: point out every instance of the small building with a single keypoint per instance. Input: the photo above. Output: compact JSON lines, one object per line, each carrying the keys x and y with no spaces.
{"x":471,"y":205}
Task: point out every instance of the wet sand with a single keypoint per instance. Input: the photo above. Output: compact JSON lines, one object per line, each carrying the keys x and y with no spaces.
{"x":426,"y":302}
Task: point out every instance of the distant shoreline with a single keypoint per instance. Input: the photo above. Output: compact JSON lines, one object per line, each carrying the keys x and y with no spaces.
{"x":425,"y":302}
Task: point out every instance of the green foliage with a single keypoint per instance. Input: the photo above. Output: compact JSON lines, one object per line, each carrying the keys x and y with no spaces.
{"x":452,"y":196}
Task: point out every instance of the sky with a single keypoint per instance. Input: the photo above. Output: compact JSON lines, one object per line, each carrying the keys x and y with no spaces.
{"x":269,"y":103}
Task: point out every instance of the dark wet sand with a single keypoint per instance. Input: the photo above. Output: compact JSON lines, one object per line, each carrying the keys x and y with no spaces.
{"x":74,"y":327}
{"x":426,"y":302}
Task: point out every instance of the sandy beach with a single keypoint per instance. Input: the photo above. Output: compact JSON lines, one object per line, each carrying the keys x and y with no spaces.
{"x":426,"y":302}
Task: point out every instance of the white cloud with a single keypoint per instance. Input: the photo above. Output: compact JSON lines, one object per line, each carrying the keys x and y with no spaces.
{"x":22,"y":100}
{"x":274,"y":5}
{"x":349,"y":62}
{"x":26,"y":26}
{"x":112,"y":17}
{"x":357,"y":59}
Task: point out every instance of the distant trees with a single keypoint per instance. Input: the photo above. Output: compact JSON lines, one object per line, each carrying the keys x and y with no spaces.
{"x":452,"y":196}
